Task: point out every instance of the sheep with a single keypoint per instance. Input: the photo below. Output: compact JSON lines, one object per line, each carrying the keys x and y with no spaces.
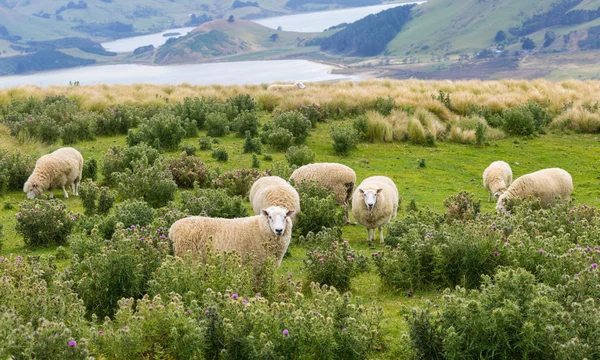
{"x":274,"y":191}
{"x":338,"y":178}
{"x":267,"y":234}
{"x":286,"y":87}
{"x":544,"y":184}
{"x":496,"y":178}
{"x":56,"y":170}
{"x":374,"y":203}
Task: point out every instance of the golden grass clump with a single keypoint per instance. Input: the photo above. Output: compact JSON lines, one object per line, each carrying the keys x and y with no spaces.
{"x":579,"y":119}
{"x":378,"y":127}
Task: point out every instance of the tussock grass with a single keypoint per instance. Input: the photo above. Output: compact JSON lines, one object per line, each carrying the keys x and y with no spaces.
{"x":378,"y":128}
{"x":579,"y":119}
{"x":25,"y":145}
{"x":347,"y":97}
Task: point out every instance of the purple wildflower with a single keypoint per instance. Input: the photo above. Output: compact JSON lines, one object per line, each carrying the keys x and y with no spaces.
{"x":344,"y":329}
{"x":100,"y":332}
{"x":234,"y":296}
{"x":188,"y":311}
{"x":427,"y":235}
{"x":125,"y":327}
{"x":207,"y":312}
{"x":321,"y":260}
{"x":594,"y":265}
{"x":541,"y":251}
{"x":245,"y":301}
{"x":19,"y":259}
{"x":576,"y":275}
{"x":72,"y":343}
{"x":588,"y":248}
{"x":316,"y":313}
{"x":163,"y":236}
{"x":495,"y":253}
{"x":285,"y":332}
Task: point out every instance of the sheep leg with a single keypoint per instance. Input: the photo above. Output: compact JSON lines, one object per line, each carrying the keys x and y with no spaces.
{"x":76,"y":186}
{"x":369,"y":236}
{"x":489,"y":196}
{"x":51,"y":196}
{"x":65,"y":191}
{"x":380,"y":234}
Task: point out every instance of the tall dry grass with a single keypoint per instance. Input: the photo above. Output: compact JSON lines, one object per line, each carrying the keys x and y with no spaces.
{"x":577,"y":118}
{"x":25,"y":145}
{"x":348,"y":96}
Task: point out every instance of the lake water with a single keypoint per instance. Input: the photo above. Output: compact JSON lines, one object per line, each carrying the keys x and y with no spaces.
{"x":226,"y":73}
{"x":132,"y":43}
{"x":319,"y":21}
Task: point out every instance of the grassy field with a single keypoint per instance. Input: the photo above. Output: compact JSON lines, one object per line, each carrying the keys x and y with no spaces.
{"x":449,"y":168}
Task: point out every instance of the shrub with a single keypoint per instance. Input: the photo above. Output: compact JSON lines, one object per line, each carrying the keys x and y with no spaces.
{"x":299,"y":155}
{"x":242,"y":103}
{"x":281,"y":169}
{"x":189,"y":150}
{"x":255,"y":162}
{"x":252,"y":145}
{"x":461,"y":207}
{"x":344,"y":137}
{"x":90,"y":169}
{"x":214,"y":203}
{"x":118,"y":119}
{"x":161,"y":131}
{"x":81,"y":127}
{"x":278,"y":138}
{"x":313,"y":112}
{"x":152,"y":327}
{"x":105,"y":200}
{"x":518,"y":121}
{"x":318,"y":213}
{"x":321,"y":240}
{"x":119,"y":159}
{"x":1,"y":236}
{"x":293,"y":121}
{"x":360,"y":123}
{"x":44,"y":222}
{"x":129,"y":213}
{"x":153,"y":184}
{"x":187,"y":170}
{"x":268,"y":157}
{"x":238,"y":182}
{"x":220,"y":154}
{"x":205,"y":143}
{"x":384,"y":106}
{"x":121,"y":270}
{"x":88,"y":191}
{"x":196,"y":109}
{"x":15,"y":169}
{"x":217,"y":125}
{"x":334,"y":266}
{"x":246,"y":122}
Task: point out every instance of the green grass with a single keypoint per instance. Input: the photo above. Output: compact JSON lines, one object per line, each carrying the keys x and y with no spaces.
{"x":449,"y":169}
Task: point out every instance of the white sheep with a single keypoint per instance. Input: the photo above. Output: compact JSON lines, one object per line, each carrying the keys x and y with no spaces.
{"x":274,"y":191}
{"x":338,"y":178}
{"x":286,"y":87}
{"x":55,"y":171}
{"x":267,"y":234}
{"x":544,"y":184}
{"x":497,"y":178}
{"x":374,"y":203}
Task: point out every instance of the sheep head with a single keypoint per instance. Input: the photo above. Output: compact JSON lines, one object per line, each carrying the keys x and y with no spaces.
{"x":277,"y":217}
{"x":370,"y":197}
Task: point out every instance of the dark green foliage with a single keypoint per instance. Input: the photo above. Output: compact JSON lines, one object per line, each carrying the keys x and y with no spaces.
{"x":188,"y":150}
{"x":384,"y":106}
{"x":561,"y":13}
{"x":205,"y":143}
{"x":187,"y":170}
{"x":322,"y":239}
{"x":81,"y":127}
{"x":500,"y":36}
{"x":120,"y":159}
{"x":196,"y":109}
{"x":246,"y":122}
{"x":114,"y":30}
{"x":525,"y":120}
{"x":242,"y":103}
{"x":370,"y":35}
{"x":345,"y":137}
{"x":217,"y":125}
{"x":255,"y":162}
{"x":118,"y":119}
{"x":462,"y":207}
{"x":153,"y":184}
{"x":313,"y":112}
{"x":480,"y":134}
{"x":220,"y":154}
{"x":252,"y":145}
{"x":317,"y":213}
{"x":444,"y":98}
{"x":213,"y":203}
{"x":105,"y":200}
{"x":44,"y":222}
{"x":161,"y":131}
{"x":278,"y":138}
{"x":335,"y":265}
{"x":88,"y":191}
{"x":90,"y":169}
{"x":15,"y":168}
{"x":549,"y":38}
{"x":40,"y":61}
{"x":286,"y":126}
{"x":238,"y":182}
{"x":528,"y":44}
{"x":299,"y":155}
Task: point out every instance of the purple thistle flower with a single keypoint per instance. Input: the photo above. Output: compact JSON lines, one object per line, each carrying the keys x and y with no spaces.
{"x":142,"y":239}
{"x":133,"y":226}
{"x":19,"y":259}
{"x":72,"y":343}
{"x":569,"y":251}
{"x":588,"y":248}
{"x":596,"y":248}
{"x":541,"y":251}
{"x":36,"y":211}
{"x":594,"y":265}
{"x":495,"y":253}
{"x":348,"y":257}
{"x":234,"y":296}
{"x":125,"y":327}
{"x":316,"y":313}
{"x":375,"y":255}
{"x":289,"y":276}
{"x":163,"y":236}
{"x":321,"y":260}
{"x":285,"y":332}
{"x":427,"y":235}
{"x":244,"y":301}
{"x":576,"y":275}
{"x":74,"y":218}
{"x":344,"y":329}
{"x":188,"y":311}
{"x":207,"y":312}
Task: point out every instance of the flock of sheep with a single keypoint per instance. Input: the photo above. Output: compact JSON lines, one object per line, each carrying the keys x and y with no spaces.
{"x":276,"y":203}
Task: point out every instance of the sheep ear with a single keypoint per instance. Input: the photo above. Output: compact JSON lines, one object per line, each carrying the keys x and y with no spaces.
{"x":379,"y":190}
{"x":361,"y":191}
{"x":290,"y":213}
{"x":264,"y":212}
{"x":497,"y":195}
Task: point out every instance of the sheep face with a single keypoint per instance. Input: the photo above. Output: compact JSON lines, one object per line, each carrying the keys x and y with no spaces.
{"x":32,"y":190}
{"x":300,"y":85}
{"x":277,"y":218}
{"x":501,"y":205}
{"x":370,"y":197}
{"x":498,"y":193}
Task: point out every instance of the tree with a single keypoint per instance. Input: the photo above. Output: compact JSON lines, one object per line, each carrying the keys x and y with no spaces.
{"x":500,"y":36}
{"x":528,"y":44}
{"x":274,"y":37}
{"x":549,"y":38}
{"x":231,"y":19}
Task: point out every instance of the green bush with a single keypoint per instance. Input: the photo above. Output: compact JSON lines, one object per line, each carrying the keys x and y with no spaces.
{"x":214,"y":203}
{"x":242,"y":103}
{"x":246,"y":122}
{"x":187,"y":170}
{"x":161,"y":131}
{"x":281,"y":169}
{"x":255,"y":162}
{"x":205,"y":143}
{"x":292,"y":121}
{"x":189,"y":150}
{"x":238,"y":182}
{"x":252,"y":145}
{"x":335,"y":265}
{"x":153,"y":184}
{"x":321,"y":239}
{"x":118,"y":119}
{"x":384,"y":106}
{"x":220,"y":154}
{"x":462,"y":207}
{"x":317,"y":213}
{"x":518,"y":121}
{"x":105,"y":200}
{"x":15,"y":169}
{"x":88,"y":191}
{"x":278,"y":138}
{"x":119,"y":159}
{"x":121,"y":270}
{"x":313,"y":112}
{"x":196,"y":109}
{"x":81,"y":127}
{"x":90,"y":169}
{"x":44,"y":222}
{"x":217,"y":125}
{"x":345,"y":138}
{"x":299,"y":155}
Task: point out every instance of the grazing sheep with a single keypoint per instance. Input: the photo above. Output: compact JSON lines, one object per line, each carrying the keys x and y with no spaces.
{"x":338,"y":178}
{"x":267,"y":234}
{"x":55,"y":171}
{"x":374,"y":203}
{"x":286,"y":87}
{"x":274,"y":191}
{"x":545,"y":184}
{"x":496,"y":178}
